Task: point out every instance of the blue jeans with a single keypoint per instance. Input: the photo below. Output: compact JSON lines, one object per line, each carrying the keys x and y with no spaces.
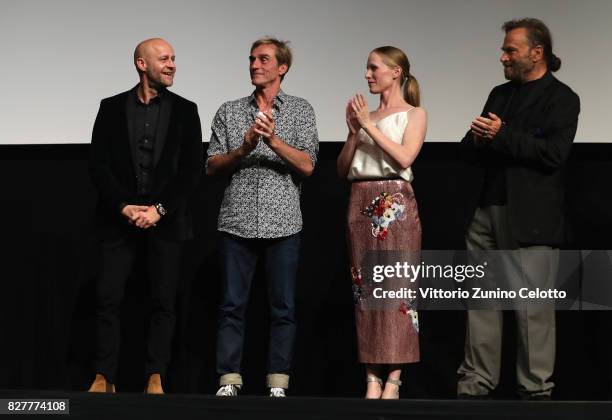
{"x":238,"y":258}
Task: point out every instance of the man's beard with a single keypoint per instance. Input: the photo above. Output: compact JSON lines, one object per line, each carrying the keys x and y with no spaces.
{"x":516,"y":72}
{"x":510,"y":72}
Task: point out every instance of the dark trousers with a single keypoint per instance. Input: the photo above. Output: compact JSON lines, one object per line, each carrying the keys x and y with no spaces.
{"x":117,"y":260}
{"x":238,"y":258}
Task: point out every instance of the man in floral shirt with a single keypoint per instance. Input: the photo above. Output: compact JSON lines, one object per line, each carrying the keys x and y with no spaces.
{"x":266,"y":142}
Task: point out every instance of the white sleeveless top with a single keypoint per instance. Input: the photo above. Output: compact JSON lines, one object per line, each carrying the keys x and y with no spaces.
{"x":370,"y":161}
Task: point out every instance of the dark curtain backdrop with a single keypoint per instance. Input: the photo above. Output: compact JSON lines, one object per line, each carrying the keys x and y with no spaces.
{"x":49,"y":262}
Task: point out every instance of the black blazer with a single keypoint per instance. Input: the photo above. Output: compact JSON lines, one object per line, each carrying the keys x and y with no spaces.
{"x":177,"y":169}
{"x":534,"y":146}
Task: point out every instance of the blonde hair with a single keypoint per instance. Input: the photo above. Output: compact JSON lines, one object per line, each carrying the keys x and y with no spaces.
{"x":394,"y":57}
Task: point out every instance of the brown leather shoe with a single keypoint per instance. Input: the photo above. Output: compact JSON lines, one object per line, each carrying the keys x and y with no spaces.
{"x":154,"y":385}
{"x":100,"y":384}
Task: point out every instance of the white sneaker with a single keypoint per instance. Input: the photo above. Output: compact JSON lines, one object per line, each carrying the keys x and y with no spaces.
{"x":228,"y":391}
{"x":277,"y":392}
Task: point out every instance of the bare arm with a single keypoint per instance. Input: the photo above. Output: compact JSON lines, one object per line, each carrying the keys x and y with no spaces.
{"x":343,"y":164}
{"x":414,"y":136}
{"x":345,"y":158}
{"x":299,"y":160}
{"x":412,"y":140}
{"x":226,"y":163}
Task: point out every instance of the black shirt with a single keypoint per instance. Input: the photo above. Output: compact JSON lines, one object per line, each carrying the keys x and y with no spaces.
{"x":145,"y":118}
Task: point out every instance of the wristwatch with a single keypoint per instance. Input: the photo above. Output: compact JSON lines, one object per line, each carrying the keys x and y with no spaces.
{"x":160,"y":209}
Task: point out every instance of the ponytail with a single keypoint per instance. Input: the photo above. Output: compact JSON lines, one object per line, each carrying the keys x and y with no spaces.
{"x":394,"y":57}
{"x":554,"y":62}
{"x":412,"y":93}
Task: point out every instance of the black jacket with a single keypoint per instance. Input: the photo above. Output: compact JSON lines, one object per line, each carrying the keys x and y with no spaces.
{"x":178,"y":164}
{"x":534,"y":146}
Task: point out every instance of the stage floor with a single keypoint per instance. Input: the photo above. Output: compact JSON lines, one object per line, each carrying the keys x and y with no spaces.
{"x":202,"y":407}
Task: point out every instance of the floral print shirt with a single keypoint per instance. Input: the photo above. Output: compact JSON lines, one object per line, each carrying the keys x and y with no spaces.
{"x":262,"y":199}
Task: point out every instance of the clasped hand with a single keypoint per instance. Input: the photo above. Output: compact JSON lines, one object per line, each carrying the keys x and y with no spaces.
{"x":357,"y":113}
{"x":486,"y":128}
{"x":263,"y":129}
{"x":265,"y":126}
{"x":141,"y":216}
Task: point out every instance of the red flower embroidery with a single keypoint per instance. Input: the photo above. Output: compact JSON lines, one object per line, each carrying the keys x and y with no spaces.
{"x":383,"y":211}
{"x":356,"y":275}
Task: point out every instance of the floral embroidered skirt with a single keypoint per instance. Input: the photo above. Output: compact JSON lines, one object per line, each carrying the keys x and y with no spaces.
{"x":384,"y":231}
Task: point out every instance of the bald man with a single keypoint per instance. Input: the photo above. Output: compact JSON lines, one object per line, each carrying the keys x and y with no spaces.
{"x":145,"y":162}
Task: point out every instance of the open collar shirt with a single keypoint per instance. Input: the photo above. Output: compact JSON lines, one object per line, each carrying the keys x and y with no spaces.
{"x":262,"y":199}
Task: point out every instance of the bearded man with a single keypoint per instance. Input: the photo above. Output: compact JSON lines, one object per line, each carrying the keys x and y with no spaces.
{"x":521,"y":142}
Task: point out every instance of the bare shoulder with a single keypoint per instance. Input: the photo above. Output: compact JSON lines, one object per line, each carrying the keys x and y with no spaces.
{"x":417,"y":116}
{"x":417,"y":112}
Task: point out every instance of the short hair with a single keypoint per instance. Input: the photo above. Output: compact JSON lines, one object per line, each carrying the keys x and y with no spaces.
{"x":283,"y":52}
{"x":537,"y":34}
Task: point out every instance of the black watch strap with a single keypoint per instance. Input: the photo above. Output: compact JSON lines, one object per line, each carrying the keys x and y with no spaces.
{"x":160,"y":209}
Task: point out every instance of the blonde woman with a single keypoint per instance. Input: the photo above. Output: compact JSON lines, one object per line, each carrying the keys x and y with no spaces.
{"x":383,"y":220}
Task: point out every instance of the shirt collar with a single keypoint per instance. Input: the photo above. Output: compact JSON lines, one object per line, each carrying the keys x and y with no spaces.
{"x":161,"y":93}
{"x":279,"y":99}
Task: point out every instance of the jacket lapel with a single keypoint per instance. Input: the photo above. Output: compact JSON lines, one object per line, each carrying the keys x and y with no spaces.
{"x":162,"y":126}
{"x":130,"y":106}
